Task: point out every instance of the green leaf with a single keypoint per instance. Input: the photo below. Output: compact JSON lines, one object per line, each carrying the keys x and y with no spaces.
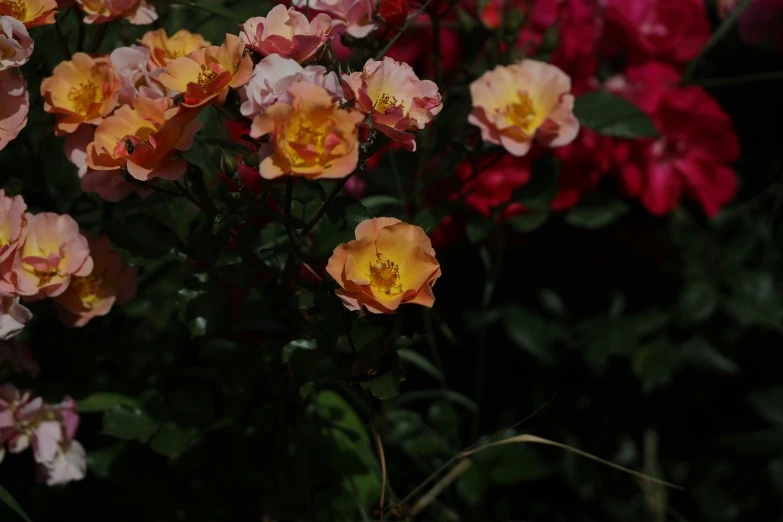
{"x":596,"y":216}
{"x":768,"y":404}
{"x":381,"y":200}
{"x":175,"y":442}
{"x":102,"y":401}
{"x":528,"y":222}
{"x":129,"y":423}
{"x":213,"y":7}
{"x":298,"y":344}
{"x":478,"y":231}
{"x":99,"y":461}
{"x":305,"y":301}
{"x":345,"y":212}
{"x":306,"y":191}
{"x":656,"y":363}
{"x":697,"y":302}
{"x":552,"y":302}
{"x":426,"y":220}
{"x":612,"y":115}
{"x":699,"y":352}
{"x":543,"y":185}
{"x":198,"y":304}
{"x":387,"y":385}
{"x":144,"y":236}
{"x":11,"y":502}
{"x":531,"y":332}
{"x":420,"y":362}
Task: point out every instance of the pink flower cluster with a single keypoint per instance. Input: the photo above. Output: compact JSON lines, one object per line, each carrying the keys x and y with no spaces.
{"x":46,"y":255}
{"x":27,"y":421}
{"x":16,"y":47}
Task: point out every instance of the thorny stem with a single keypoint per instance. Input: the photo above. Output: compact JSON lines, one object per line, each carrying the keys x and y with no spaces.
{"x":321,"y":211}
{"x":381,"y":454}
{"x":401,"y":31}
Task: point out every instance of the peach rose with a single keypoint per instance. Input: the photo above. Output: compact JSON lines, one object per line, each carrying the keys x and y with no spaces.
{"x":513,"y":104}
{"x":205,"y":75}
{"x":14,"y":106}
{"x":311,"y":137}
{"x":16,"y":46}
{"x":142,"y":141}
{"x":356,"y":15}
{"x":31,"y":13}
{"x":396,"y":98}
{"x":53,"y":252}
{"x":110,"y":282}
{"x":388,"y":264}
{"x":13,"y":224}
{"x":286,"y":32}
{"x":13,"y":317}
{"x":164,"y":48}
{"x":137,"y":12}
{"x":82,"y":90}
{"x":108,"y":184}
{"x":274,"y":76}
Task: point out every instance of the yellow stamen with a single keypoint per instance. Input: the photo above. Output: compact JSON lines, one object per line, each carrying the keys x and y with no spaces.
{"x":17,"y":7}
{"x":82,"y":96}
{"x":522,"y":112}
{"x":384,"y":275}
{"x":385,"y":102}
{"x":86,"y":288}
{"x":206,"y":76}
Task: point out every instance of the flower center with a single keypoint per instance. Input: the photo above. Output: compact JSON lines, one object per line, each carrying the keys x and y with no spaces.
{"x":17,"y":7}
{"x":86,"y":288}
{"x":206,"y":76}
{"x":522,"y":112}
{"x":82,"y":96}
{"x":384,"y":275}
{"x":385,"y":102}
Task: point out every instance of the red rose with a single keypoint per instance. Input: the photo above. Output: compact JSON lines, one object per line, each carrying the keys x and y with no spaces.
{"x":395,"y":12}
{"x":693,"y":154}
{"x":673,"y":31}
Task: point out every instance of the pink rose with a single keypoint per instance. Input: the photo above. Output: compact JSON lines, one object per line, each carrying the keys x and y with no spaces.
{"x":110,"y":283}
{"x":130,"y":68}
{"x":514,"y":104}
{"x":286,"y":32}
{"x":13,"y":317}
{"x":273,"y":77}
{"x":16,"y":46}
{"x":14,"y":106}
{"x":13,"y":224}
{"x":53,"y":252}
{"x":395,"y":97}
{"x":356,"y":16}
{"x":671,"y":31}
{"x":693,"y":155}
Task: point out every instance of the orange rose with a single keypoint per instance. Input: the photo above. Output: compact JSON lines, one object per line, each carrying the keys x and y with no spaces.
{"x":313,"y":137}
{"x":390,"y":263}
{"x":205,"y":75}
{"x":165,"y":49}
{"x":142,"y":141}
{"x":31,"y":13}
{"x":82,"y":90}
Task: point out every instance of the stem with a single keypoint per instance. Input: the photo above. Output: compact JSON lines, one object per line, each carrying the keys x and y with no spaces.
{"x":402,"y":30}
{"x":381,"y":453}
{"x":321,"y":211}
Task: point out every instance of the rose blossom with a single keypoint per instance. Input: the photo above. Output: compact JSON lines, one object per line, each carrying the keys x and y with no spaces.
{"x":164,"y":48}
{"x":13,"y":224}
{"x":52,"y":253}
{"x":143,"y":141}
{"x":273,"y":77}
{"x":286,"y":32}
{"x":396,"y":98}
{"x":137,"y":12}
{"x":110,"y":283}
{"x":82,"y":90}
{"x":31,"y":13}
{"x":13,"y":317}
{"x":14,"y":106}
{"x":108,"y":184}
{"x":516,"y":103}
{"x":130,"y":69}
{"x":674,"y":31}
{"x":310,"y":137}
{"x":356,"y":15}
{"x":205,"y":75}
{"x":696,"y":146}
{"x":16,"y":46}
{"x":388,"y":264}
